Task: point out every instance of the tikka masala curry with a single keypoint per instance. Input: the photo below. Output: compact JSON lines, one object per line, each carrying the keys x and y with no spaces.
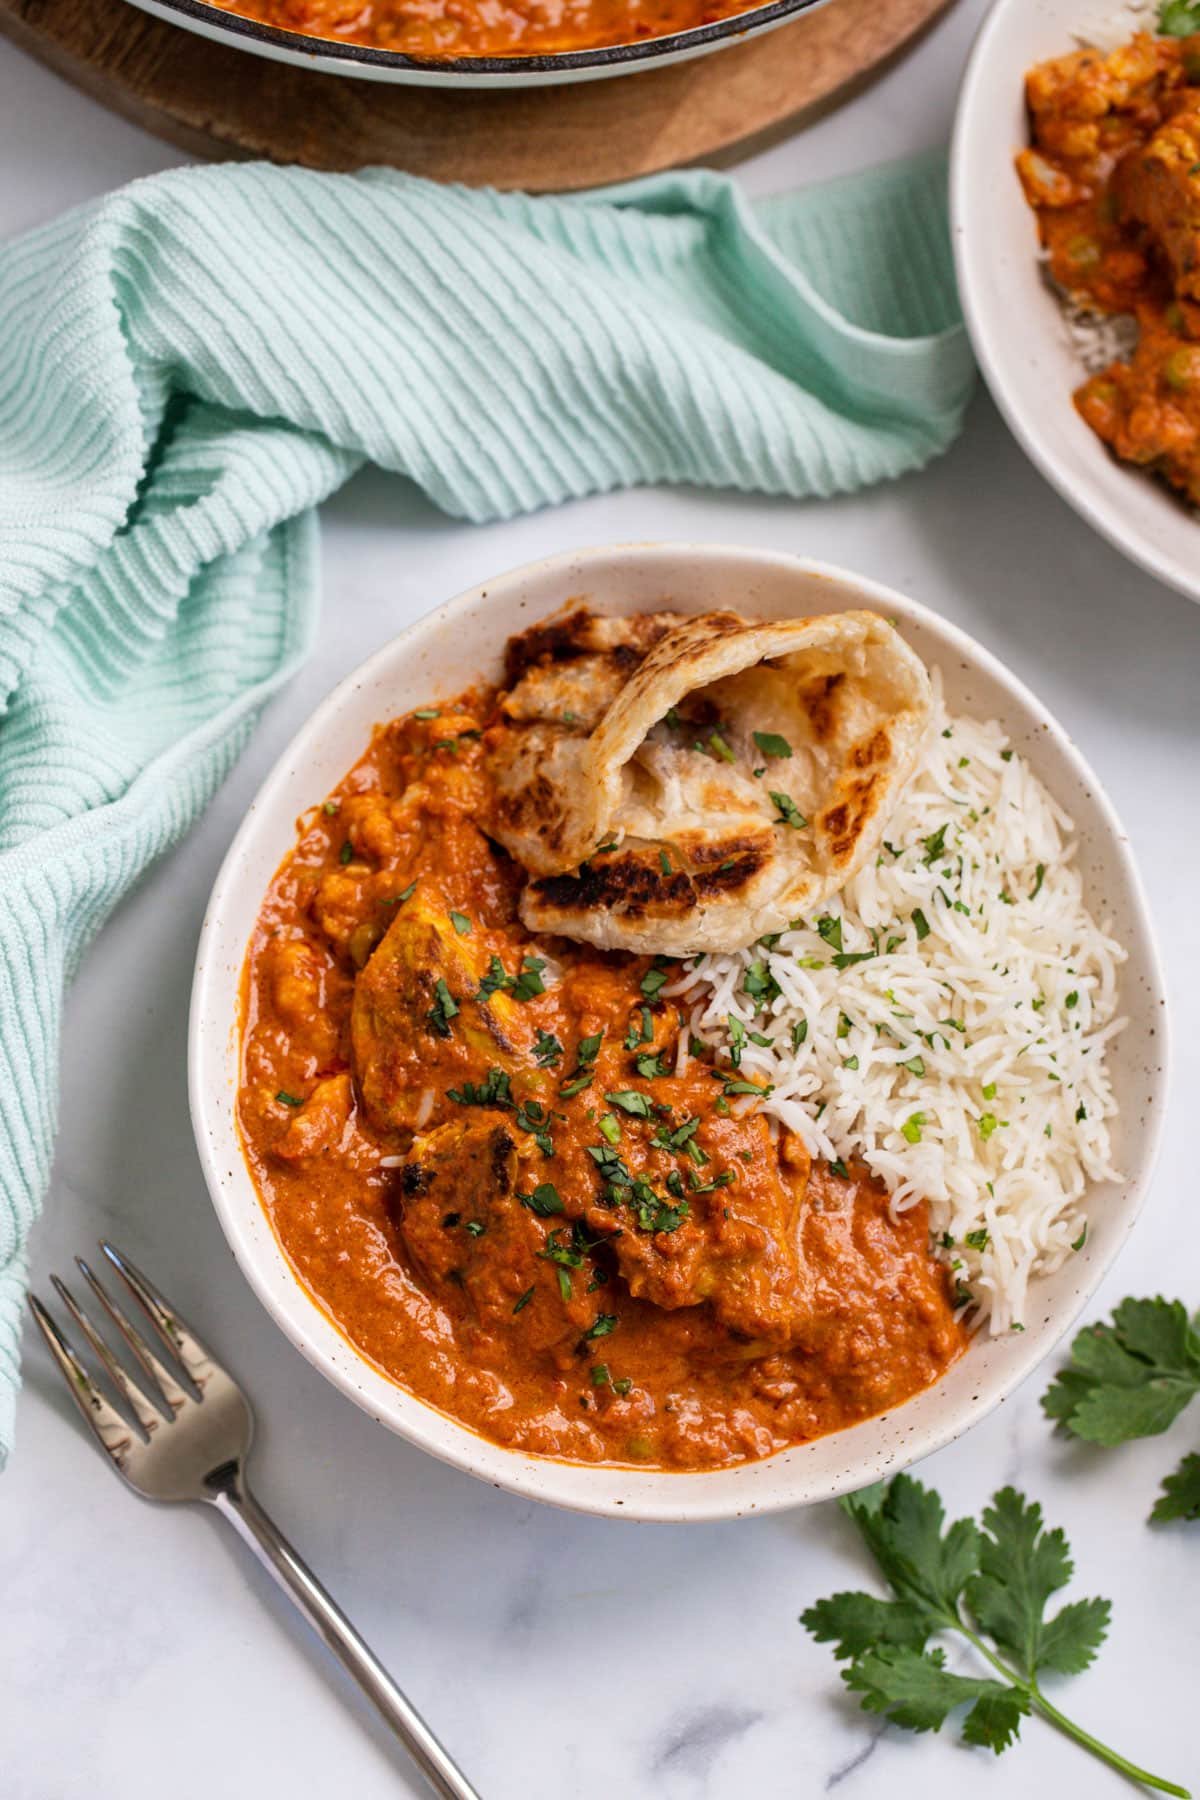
{"x":1114,"y":177}
{"x":515,"y":1182}
{"x":468,"y":28}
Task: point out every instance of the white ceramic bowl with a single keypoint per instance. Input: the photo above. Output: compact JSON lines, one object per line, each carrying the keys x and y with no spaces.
{"x":439,"y":656}
{"x":335,"y":57}
{"x":1016,"y":325}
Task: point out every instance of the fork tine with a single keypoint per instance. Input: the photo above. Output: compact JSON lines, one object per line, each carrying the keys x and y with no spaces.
{"x":174,"y":1332}
{"x":155,"y":1371}
{"x":132,"y":1395}
{"x":113,"y":1433}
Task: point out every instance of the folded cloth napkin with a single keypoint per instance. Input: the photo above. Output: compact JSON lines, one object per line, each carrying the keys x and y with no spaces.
{"x":189,"y":366}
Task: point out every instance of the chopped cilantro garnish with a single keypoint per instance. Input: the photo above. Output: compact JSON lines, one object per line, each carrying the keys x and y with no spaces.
{"x":461,"y":923}
{"x":830,"y":928}
{"x":610,"y":1127}
{"x":760,"y":984}
{"x":799,"y":1033}
{"x":771,"y":744}
{"x":653,"y":981}
{"x":720,"y":747}
{"x":286,"y":1099}
{"x":426,"y":712}
{"x":601,"y":1326}
{"x":737,"y":1039}
{"x":987,"y":1124}
{"x":529,"y":984}
{"x":331,"y":807}
{"x":444,"y":1008}
{"x":576,"y":1085}
{"x":789,"y":812}
{"x":651,"y":1067}
{"x":664,"y":862}
{"x":839,"y":1168}
{"x":935,"y":844}
{"x":546,"y":1050}
{"x":678,"y":1139}
{"x":346,"y":852}
{"x":920,"y":924}
{"x":911,"y":1128}
{"x":526,"y":1297}
{"x":846,"y":959}
{"x":545,"y":1200}
{"x":1040,"y":876}
{"x":915,"y":1065}
{"x":631,"y":1102}
{"x":976,"y":1240}
{"x":494,"y":1090}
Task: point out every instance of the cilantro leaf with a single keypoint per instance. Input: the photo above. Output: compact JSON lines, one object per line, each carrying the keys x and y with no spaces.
{"x":914,"y":1688}
{"x":995,"y":1719}
{"x":1131,"y":1378}
{"x":902,"y":1525}
{"x":1020,"y":1565}
{"x":857,"y":1622}
{"x":1179,"y":18}
{"x":1180,"y":1497}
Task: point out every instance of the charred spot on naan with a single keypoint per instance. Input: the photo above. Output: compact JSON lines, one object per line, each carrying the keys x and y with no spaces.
{"x":859,"y":798}
{"x":820,"y":702}
{"x":635,"y":885}
{"x":577,"y":635}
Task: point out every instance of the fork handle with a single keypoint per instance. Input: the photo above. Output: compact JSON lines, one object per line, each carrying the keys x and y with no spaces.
{"x":334,"y":1629}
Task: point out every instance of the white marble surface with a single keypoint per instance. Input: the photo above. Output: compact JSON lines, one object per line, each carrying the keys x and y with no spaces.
{"x":140,"y":1653}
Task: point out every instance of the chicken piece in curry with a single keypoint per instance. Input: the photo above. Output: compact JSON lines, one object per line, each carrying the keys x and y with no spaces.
{"x":515,"y":1181}
{"x":1113,"y":174}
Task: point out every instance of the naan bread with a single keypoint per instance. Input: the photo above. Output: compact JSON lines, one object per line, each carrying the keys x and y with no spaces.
{"x":678,"y":784}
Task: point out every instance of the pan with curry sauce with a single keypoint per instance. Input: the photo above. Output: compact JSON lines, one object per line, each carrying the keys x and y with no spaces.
{"x":508,"y":1175}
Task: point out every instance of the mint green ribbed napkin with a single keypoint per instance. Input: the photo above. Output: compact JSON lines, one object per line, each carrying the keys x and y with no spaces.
{"x":189,"y":366}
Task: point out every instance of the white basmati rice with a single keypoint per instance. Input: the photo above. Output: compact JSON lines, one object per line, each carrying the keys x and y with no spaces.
{"x":967,"y":1065}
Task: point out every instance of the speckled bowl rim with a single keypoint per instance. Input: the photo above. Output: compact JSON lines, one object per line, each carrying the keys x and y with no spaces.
{"x":693,"y":577}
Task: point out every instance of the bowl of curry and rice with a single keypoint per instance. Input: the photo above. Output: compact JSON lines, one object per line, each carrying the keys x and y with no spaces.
{"x":1073,"y":181}
{"x":691,"y":1060}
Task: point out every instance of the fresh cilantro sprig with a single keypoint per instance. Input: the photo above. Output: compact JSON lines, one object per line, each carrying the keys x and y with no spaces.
{"x":990,"y":1582}
{"x":1179,"y":18}
{"x":1130,"y":1379}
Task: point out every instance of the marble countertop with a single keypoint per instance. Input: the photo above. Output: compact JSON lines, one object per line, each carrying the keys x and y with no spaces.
{"x":141,"y":1653}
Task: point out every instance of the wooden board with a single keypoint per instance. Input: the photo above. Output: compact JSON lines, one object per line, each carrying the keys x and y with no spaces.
{"x":213,"y":100}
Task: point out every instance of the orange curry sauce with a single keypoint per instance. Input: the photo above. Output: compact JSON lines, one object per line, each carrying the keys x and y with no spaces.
{"x":449,"y":28}
{"x":487,"y":1162}
{"x":1114,"y":176}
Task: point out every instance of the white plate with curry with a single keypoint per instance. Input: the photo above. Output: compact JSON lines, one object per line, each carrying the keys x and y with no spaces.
{"x":1109,"y":456}
{"x":587,"y":1219}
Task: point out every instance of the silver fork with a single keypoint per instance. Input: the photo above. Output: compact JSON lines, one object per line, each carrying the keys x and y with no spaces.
{"x":191,"y":1444}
